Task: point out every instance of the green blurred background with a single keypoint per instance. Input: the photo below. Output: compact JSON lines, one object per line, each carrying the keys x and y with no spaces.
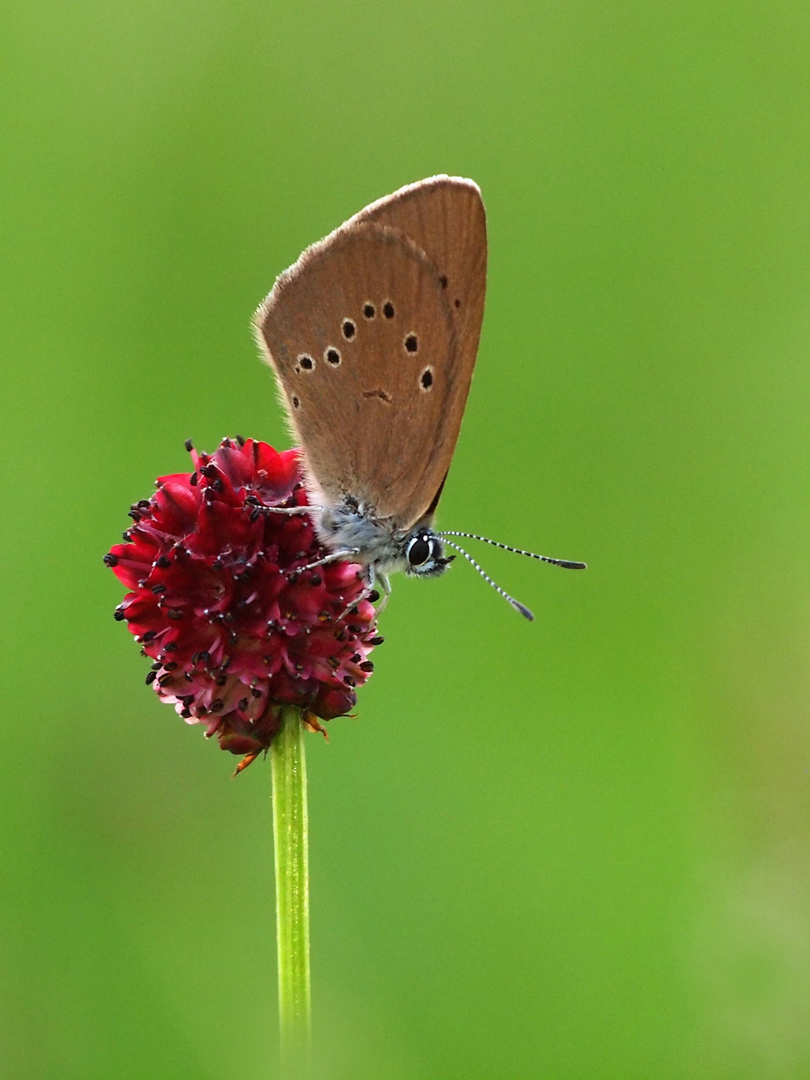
{"x":576,"y":849}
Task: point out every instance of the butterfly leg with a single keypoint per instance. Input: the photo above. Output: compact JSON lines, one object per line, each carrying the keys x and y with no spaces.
{"x":335,"y":555}
{"x":385,"y":583}
{"x":374,"y":577}
{"x":289,"y":509}
{"x":364,"y":595}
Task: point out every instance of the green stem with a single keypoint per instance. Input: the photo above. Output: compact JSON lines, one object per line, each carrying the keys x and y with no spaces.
{"x":292,"y":893}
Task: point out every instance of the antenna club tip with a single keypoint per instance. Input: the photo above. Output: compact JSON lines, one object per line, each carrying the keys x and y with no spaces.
{"x":573,"y":565}
{"x":524,"y":611}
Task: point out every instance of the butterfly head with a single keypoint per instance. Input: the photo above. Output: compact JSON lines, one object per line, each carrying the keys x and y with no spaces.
{"x":424,"y":554}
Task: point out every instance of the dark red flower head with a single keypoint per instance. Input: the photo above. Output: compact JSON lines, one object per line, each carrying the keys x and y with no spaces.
{"x":221,"y":603}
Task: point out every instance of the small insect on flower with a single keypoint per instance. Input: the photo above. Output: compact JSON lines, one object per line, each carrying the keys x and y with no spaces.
{"x":225,"y":601}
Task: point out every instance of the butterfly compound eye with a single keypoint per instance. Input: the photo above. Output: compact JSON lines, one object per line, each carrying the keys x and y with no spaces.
{"x":419,"y":551}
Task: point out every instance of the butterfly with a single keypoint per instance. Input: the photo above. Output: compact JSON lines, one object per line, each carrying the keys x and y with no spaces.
{"x":373,"y":335}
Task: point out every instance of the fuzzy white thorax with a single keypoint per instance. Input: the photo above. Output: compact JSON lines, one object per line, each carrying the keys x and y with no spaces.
{"x":351,"y":525}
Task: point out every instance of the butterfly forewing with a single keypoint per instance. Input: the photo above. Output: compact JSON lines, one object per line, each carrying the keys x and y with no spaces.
{"x":361,"y":337}
{"x":444,"y":215}
{"x":374,"y":347}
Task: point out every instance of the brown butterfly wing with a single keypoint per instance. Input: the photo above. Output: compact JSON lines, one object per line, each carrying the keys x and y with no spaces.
{"x":444,"y":216}
{"x":382,"y":423}
{"x":360,"y":335}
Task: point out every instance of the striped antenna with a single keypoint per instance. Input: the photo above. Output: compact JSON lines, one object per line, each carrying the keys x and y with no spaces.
{"x":516,"y":604}
{"x":565,"y":563}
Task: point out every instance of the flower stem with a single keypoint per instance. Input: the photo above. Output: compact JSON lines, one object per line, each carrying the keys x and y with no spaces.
{"x":292,"y":892}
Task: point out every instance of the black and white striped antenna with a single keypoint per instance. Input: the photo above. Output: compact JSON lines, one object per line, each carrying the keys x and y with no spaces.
{"x":516,"y":604}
